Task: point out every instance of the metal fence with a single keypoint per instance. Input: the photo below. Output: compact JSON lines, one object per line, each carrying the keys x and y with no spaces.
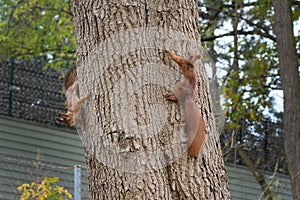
{"x":15,"y":171}
{"x":29,"y":92}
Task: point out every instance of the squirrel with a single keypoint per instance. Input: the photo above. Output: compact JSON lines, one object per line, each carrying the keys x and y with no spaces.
{"x":74,"y":102}
{"x":186,"y":93}
{"x":188,"y":70}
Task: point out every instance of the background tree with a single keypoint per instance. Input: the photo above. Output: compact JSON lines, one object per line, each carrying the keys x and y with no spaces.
{"x":35,"y":29}
{"x":246,"y":72}
{"x":289,"y":73}
{"x":131,"y":148}
{"x":248,"y":86}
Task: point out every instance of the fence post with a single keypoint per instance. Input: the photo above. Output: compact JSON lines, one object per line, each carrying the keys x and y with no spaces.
{"x":11,"y":79}
{"x":77,"y":182}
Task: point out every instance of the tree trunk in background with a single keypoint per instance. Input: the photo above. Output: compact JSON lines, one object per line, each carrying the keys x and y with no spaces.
{"x":288,"y":64}
{"x":134,"y":142}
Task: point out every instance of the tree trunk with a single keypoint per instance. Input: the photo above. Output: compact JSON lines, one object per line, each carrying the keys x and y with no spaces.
{"x":289,"y":65}
{"x":134,"y":140}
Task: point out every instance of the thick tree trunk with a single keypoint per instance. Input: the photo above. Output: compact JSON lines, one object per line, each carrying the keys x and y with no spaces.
{"x":134,"y":141}
{"x":289,"y":65}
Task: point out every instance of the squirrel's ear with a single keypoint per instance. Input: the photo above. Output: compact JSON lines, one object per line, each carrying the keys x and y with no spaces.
{"x":59,"y":119}
{"x":197,"y":56}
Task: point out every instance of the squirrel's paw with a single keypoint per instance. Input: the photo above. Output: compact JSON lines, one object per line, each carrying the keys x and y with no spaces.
{"x":171,"y":97}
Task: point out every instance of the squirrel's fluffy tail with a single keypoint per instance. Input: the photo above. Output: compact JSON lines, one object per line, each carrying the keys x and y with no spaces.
{"x":70,"y":77}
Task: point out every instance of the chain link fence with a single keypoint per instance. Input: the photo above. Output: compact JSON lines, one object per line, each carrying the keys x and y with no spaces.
{"x":29,"y":92}
{"x":16,"y":171}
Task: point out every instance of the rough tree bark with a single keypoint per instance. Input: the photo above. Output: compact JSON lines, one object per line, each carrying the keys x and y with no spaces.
{"x":289,"y":73}
{"x":132,"y":136}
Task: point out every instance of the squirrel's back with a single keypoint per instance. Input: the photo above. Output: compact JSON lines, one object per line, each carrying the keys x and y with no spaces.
{"x":194,"y":124}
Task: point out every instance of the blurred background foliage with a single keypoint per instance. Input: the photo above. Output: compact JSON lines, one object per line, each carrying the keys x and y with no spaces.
{"x":43,"y":29}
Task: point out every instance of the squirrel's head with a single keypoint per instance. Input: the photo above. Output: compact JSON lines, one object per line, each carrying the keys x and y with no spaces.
{"x":66,"y":118}
{"x":193,"y":57}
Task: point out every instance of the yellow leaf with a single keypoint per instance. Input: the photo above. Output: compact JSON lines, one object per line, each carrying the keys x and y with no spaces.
{"x":33,"y":184}
{"x":20,"y":187}
{"x":25,"y":195}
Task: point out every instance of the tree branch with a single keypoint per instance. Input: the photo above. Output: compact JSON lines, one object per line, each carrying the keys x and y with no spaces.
{"x":239,"y":32}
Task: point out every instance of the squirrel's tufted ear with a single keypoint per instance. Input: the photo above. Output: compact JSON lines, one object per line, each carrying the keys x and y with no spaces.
{"x":59,"y":119}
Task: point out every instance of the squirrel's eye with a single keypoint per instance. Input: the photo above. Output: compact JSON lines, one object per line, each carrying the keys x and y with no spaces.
{"x":69,"y":119}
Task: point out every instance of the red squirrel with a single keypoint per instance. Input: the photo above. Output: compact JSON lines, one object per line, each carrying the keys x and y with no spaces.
{"x":188,"y":70}
{"x":186,"y":93}
{"x":74,"y":102}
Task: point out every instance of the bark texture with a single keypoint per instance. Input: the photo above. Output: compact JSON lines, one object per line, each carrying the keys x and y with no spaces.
{"x":131,"y":134}
{"x":289,"y":65}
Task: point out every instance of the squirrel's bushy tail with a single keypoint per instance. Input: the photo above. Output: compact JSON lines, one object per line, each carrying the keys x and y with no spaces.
{"x":70,"y":77}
